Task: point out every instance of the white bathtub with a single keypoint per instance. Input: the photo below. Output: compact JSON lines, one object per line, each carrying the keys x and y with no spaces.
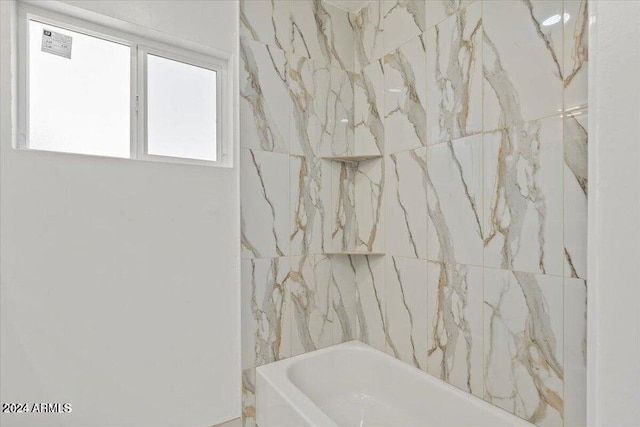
{"x":352,"y":384}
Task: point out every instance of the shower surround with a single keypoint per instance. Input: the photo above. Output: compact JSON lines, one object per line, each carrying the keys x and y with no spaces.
{"x":472,"y":204}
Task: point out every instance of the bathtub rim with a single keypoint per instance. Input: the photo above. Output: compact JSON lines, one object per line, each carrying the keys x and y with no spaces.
{"x":277,"y":374}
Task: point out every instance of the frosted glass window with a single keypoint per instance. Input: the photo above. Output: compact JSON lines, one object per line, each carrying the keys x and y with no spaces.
{"x":90,"y":89}
{"x":181,"y":109}
{"x":79,"y":104}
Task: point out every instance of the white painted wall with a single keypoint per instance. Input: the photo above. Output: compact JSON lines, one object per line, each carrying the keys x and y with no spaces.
{"x":119,"y":278}
{"x":613,"y":385}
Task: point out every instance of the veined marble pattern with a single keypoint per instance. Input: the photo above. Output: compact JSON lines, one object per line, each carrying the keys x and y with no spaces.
{"x":370,"y":300}
{"x":264,"y":100}
{"x":406,"y":201}
{"x":523,"y":197}
{"x":322,"y":32}
{"x":455,"y":313}
{"x":338,"y":135}
{"x":370,"y":210}
{"x":454,"y":76}
{"x":369,"y":109}
{"x":406,"y":310}
{"x":575,"y":358}
{"x":264,"y":204}
{"x":438,"y":10}
{"x":575,"y":194}
{"x":576,"y":54}
{"x":322,"y":107}
{"x":266,"y":21}
{"x":403,"y":20}
{"x":523,"y":345}
{"x":405,"y":96}
{"x":455,"y":201}
{"x":460,"y":292}
{"x":249,"y":398}
{"x":313,"y":317}
{"x":323,"y":301}
{"x":310,"y":194}
{"x":309,"y":83}
{"x":339,"y":33}
{"x":265,"y":311}
{"x":343,"y":298}
{"x":522,"y":62}
{"x":368,"y":31}
{"x":304,"y":37}
{"x":344,"y":225}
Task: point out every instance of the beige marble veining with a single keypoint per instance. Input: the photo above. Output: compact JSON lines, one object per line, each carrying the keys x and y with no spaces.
{"x":524,"y":345}
{"x":454,"y":76}
{"x":477,"y":204}
{"x":454,"y":300}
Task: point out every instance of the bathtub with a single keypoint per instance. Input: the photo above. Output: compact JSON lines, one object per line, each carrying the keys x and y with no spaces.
{"x":352,"y":384}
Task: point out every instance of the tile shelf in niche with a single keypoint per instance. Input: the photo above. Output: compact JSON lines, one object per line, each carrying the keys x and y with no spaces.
{"x":355,"y":253}
{"x":353,"y":158}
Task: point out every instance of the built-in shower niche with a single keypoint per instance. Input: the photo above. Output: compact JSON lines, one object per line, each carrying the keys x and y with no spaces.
{"x":358,"y":205}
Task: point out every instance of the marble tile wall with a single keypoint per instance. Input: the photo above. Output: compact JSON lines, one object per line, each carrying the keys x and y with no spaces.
{"x":297,"y":107}
{"x":523,"y":344}
{"x":478,"y":111}
{"x":485,"y":145}
{"x":455,"y":310}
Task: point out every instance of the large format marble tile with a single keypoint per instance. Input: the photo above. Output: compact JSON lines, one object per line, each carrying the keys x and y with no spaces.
{"x":403,"y":20}
{"x":454,"y":295}
{"x":405,"y":97}
{"x":576,"y":46}
{"x":522,"y":60}
{"x":338,"y":31}
{"x":575,"y":194}
{"x":264,"y":204}
{"x":266,"y":21}
{"x":338,"y":133}
{"x":406,"y":204}
{"x":523,"y":197}
{"x":439,"y":10}
{"x":370,"y":300}
{"x":322,"y":32}
{"x":369,"y":109}
{"x":370,"y":210}
{"x":322,"y":108}
{"x":454,"y":76}
{"x":343,"y":298}
{"x":344,"y":225}
{"x":305,"y":39}
{"x":310,"y":202}
{"x":249,"y":398}
{"x":264,"y":99}
{"x":523,"y":344}
{"x":454,"y":197}
{"x":368,"y":31}
{"x":309,"y":83}
{"x":323,"y":297}
{"x":265,"y":311}
{"x":575,"y":352}
{"x":313,"y":318}
{"x":406,"y":310}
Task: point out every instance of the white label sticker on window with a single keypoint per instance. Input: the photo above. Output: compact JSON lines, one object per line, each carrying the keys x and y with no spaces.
{"x":56,"y":43}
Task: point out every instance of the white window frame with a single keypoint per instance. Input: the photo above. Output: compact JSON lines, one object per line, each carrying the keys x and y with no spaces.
{"x":141,"y":42}
{"x":189,"y":58}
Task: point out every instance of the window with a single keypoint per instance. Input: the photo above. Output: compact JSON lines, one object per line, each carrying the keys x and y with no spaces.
{"x":90,"y":89}
{"x":181,"y":106}
{"x":79,"y":105}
